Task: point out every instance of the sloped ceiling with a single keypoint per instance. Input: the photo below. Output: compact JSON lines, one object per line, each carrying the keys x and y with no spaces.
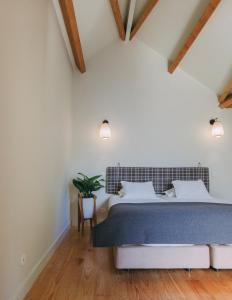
{"x":96,"y":25}
{"x":209,"y":60}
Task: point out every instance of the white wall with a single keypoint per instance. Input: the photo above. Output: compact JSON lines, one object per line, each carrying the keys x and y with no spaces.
{"x":35,"y":134}
{"x":157,"y":119}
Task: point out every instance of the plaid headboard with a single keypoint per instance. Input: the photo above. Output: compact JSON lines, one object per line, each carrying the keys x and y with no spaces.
{"x":162,"y":177}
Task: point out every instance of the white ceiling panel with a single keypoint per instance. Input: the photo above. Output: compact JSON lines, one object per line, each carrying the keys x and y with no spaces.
{"x":96,"y":25}
{"x":210,"y":57}
{"x":170,"y":23}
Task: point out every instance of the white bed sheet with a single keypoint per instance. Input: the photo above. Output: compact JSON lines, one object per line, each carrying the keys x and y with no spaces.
{"x":115,"y":199}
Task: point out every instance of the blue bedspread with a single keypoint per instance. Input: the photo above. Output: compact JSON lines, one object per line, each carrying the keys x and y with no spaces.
{"x":165,"y":223}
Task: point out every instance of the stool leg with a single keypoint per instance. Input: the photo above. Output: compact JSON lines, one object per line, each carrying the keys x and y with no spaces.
{"x":83,"y":226}
{"x":91,"y":223}
{"x":78,"y":227}
{"x":94,"y":211}
{"x":95,"y":220}
{"x":79,"y":219}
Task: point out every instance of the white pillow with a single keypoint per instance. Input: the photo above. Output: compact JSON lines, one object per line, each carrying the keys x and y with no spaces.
{"x":170,"y":193}
{"x":191,"y":189}
{"x":138,"y":190}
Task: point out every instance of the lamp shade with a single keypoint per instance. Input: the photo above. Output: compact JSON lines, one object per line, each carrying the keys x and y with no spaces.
{"x":217,"y":129}
{"x":105,"y":132}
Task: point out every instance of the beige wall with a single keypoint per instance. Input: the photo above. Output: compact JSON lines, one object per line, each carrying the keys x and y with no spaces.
{"x":35,"y":135}
{"x":157,"y":119}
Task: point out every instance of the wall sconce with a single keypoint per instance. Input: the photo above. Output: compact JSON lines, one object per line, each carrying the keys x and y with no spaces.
{"x":217,"y":128}
{"x":105,"y":132}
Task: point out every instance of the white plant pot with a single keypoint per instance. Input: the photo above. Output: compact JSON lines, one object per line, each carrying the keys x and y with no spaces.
{"x":88,"y":207}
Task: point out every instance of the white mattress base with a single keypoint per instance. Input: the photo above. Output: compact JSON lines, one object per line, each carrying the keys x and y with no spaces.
{"x":221,"y":256}
{"x":162,"y":257}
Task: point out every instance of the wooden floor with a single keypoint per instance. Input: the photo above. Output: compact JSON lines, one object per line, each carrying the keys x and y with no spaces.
{"x":79,"y":272}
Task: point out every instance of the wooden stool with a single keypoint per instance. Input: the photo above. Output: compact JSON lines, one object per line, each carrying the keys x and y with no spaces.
{"x":81,"y":219}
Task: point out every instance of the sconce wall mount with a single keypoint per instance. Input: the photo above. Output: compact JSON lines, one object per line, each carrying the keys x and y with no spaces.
{"x":212,"y":121}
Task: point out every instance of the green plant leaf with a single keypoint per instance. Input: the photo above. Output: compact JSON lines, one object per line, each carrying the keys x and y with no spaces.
{"x":83,"y":175}
{"x":87,"y":185}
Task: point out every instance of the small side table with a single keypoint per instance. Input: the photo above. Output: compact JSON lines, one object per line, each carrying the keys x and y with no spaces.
{"x":81,"y":218}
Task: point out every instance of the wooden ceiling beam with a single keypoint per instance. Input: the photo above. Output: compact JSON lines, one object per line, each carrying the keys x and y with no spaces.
{"x":226,"y":103}
{"x":147,"y":10}
{"x":212,"y":5}
{"x":70,"y":22}
{"x":222,"y":98}
{"x":118,"y":19}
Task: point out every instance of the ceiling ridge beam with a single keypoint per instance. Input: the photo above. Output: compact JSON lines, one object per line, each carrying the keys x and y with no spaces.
{"x":211,"y":7}
{"x":118,"y":18}
{"x":70,"y":22}
{"x":147,"y":10}
{"x":130,"y":19}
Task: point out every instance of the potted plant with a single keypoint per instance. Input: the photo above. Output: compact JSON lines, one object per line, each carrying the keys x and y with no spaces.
{"x":87,"y":200}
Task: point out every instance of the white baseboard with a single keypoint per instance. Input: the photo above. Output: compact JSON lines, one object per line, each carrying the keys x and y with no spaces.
{"x":36,"y":270}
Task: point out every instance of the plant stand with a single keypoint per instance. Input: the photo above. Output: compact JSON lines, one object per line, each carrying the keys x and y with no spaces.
{"x":81,"y":216}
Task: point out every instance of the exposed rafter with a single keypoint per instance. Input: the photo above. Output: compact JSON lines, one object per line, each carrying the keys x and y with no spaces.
{"x":68,"y":12}
{"x":225,"y":100}
{"x":118,"y":18}
{"x":130,"y":19}
{"x":227,"y":103}
{"x":147,"y":10}
{"x":194,"y":34}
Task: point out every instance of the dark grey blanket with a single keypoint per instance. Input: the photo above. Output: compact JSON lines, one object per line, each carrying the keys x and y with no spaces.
{"x":165,"y":223}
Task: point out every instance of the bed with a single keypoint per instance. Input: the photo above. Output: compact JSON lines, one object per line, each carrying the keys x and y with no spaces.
{"x":162,"y":233}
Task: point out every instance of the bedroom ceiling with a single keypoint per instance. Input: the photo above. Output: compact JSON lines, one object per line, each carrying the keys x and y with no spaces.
{"x":96,"y":25}
{"x":209,"y":59}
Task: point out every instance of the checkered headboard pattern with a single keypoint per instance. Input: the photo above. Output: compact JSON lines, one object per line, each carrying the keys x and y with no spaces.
{"x":162,"y":177}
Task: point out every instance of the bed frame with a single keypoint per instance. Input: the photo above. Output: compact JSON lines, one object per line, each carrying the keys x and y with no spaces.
{"x":221,"y":256}
{"x":159,"y":257}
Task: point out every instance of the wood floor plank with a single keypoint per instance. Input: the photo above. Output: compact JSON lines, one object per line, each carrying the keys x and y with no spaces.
{"x":79,"y":272}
